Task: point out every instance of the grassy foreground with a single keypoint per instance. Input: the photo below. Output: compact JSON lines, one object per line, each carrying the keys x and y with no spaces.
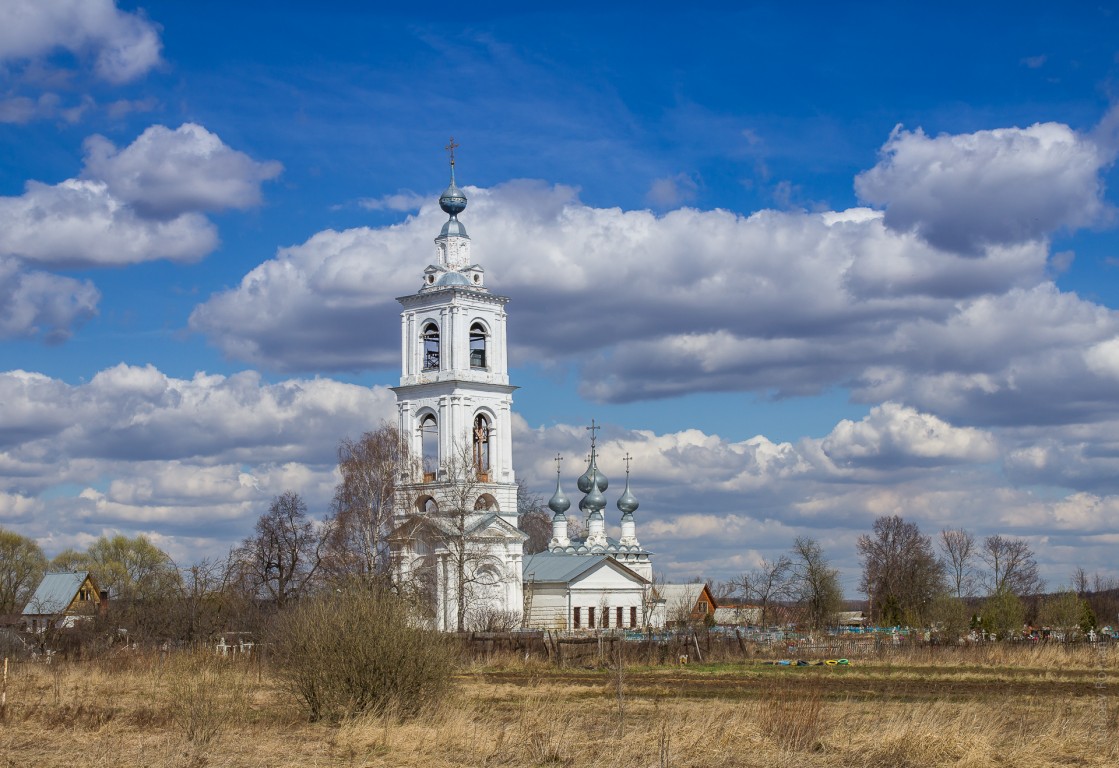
{"x":999,"y":706}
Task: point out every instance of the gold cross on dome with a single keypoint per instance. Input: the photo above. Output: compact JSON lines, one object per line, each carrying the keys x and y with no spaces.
{"x":451,"y":148}
{"x":558,"y":460}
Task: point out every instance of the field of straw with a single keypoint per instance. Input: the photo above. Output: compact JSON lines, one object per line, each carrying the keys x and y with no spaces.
{"x":995,"y":706}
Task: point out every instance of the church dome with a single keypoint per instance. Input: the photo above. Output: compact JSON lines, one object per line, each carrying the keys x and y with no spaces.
{"x":628,"y":502}
{"x":559,"y":503}
{"x":594,"y":501}
{"x":592,"y":477}
{"x":453,"y":199}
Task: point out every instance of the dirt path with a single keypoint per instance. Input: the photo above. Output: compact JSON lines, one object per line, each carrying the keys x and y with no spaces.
{"x":851,"y":683}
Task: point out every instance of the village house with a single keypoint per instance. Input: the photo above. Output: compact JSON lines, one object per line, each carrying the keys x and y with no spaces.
{"x":63,"y":599}
{"x":680,"y":604}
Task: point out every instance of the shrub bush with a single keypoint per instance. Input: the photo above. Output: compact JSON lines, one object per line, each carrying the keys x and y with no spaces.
{"x":206,"y":693}
{"x":359,"y":650}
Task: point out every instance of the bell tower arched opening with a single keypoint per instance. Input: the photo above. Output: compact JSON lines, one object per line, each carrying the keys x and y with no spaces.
{"x":430,"y":336}
{"x":478,"y":339}
{"x":481,"y":439}
{"x":429,"y":447}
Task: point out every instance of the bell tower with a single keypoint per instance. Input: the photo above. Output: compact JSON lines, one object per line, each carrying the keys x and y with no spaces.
{"x":454,"y":406}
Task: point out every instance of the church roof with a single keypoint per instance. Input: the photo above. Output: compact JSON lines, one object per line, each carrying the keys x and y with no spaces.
{"x":561,"y":567}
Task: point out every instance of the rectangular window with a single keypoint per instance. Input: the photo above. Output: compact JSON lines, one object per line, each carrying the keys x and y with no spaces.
{"x":578,"y":623}
{"x":590,"y":617}
{"x":605,"y":617}
{"x":619,"y":616}
{"x":633,"y":615}
{"x":702,"y":606}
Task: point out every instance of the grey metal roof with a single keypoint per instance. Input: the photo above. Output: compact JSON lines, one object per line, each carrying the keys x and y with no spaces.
{"x":562,"y":567}
{"x":558,"y":567}
{"x":55,"y":593}
{"x":453,"y":228}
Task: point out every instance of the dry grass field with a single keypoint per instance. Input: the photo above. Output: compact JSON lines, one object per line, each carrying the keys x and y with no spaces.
{"x":994,"y":706}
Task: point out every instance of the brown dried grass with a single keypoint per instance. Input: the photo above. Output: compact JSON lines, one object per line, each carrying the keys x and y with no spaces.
{"x":175,"y":711}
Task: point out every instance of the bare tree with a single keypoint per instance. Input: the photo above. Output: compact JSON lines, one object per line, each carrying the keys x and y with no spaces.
{"x":958,"y":547}
{"x":1103,"y":583}
{"x":650,"y":599}
{"x":357,"y":540}
{"x":770,"y":582}
{"x":1080,"y":581}
{"x":22,"y":564}
{"x":534,"y":518}
{"x":901,"y":574}
{"x":1012,"y":567}
{"x":815,"y":583}
{"x":283,"y":555}
{"x":474,"y":571}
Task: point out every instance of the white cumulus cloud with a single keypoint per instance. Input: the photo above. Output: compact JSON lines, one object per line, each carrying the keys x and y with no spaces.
{"x":1004,"y":186}
{"x":81,"y":223}
{"x":140,"y":203}
{"x":123,"y":46}
{"x":892,"y":433}
{"x":37,"y":304}
{"x":164,"y":172}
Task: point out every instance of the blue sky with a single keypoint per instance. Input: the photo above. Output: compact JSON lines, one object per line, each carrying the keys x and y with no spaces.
{"x":808,"y":264}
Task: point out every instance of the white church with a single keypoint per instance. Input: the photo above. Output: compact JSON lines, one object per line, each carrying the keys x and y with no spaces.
{"x":455,"y":528}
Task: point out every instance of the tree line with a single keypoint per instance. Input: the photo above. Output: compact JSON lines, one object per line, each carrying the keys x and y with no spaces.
{"x":953,"y":582}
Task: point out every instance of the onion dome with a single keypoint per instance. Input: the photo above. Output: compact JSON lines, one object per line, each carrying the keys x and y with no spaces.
{"x":593,"y":476}
{"x":453,"y":199}
{"x":559,"y":503}
{"x":628,"y":502}
{"x":594,"y":501}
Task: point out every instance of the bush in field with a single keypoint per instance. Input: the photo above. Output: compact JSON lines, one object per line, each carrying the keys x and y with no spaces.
{"x":1003,"y":614}
{"x":206,"y":693}
{"x":359,"y":650}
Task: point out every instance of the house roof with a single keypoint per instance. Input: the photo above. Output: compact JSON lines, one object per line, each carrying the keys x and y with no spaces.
{"x":55,"y":593}
{"x":682,"y":594}
{"x":564,"y":568}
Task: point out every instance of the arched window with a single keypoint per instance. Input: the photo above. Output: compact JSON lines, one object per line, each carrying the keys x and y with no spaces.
{"x":477,"y":346}
{"x":429,"y":446}
{"x":482,"y":448}
{"x":430,"y":338}
{"x":426,"y":505}
{"x":486,"y":503}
